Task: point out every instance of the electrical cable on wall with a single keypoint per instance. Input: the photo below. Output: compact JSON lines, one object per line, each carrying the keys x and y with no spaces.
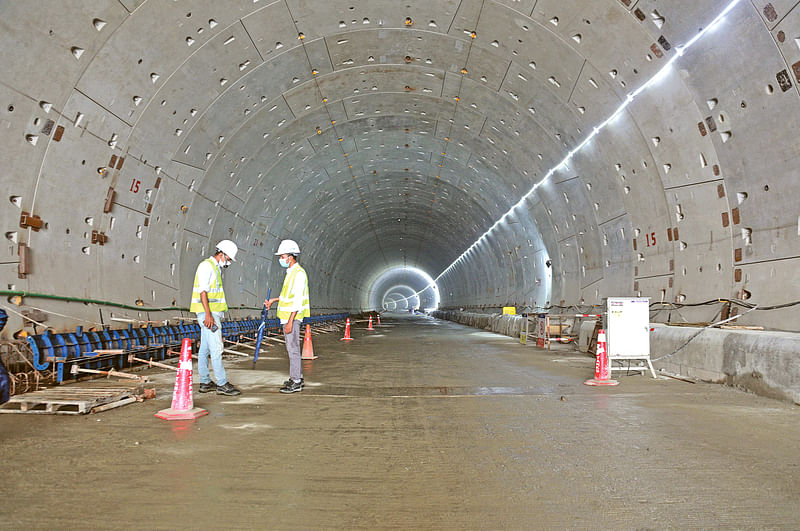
{"x":712,"y":325}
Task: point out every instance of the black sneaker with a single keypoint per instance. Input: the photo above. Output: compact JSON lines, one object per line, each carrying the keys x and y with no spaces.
{"x":228,"y":389}
{"x":207,"y":387}
{"x":287,"y":382}
{"x":292,"y":387}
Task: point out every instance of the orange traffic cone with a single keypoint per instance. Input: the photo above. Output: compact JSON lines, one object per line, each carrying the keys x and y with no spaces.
{"x":347,"y":331}
{"x":182,"y":402}
{"x":602,"y":372}
{"x":308,"y":348}
{"x":370,"y":324}
{"x":379,"y":319}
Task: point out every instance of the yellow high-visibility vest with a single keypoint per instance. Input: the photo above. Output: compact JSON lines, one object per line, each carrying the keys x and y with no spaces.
{"x":216,"y":295}
{"x":287,"y":297}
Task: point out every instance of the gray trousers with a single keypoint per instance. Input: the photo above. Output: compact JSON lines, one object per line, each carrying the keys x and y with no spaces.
{"x":293,"y":348}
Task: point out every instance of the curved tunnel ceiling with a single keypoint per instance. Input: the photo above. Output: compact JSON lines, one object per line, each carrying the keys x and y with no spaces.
{"x":385,"y":134}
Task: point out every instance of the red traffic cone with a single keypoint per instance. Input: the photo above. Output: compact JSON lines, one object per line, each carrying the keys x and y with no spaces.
{"x":602,"y":372}
{"x":379,"y":319}
{"x":308,"y":348}
{"x":370,"y":324}
{"x":182,"y":402}
{"x":347,"y":331}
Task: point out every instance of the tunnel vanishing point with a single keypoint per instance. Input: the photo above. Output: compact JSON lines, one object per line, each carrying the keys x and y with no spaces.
{"x":530,"y":153}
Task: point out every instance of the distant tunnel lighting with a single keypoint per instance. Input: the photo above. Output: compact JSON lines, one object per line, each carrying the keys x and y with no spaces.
{"x":425,"y":277}
{"x":658,"y":76}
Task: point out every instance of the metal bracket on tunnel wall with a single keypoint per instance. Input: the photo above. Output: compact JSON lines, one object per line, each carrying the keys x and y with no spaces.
{"x":24,"y":267}
{"x":30,"y":221}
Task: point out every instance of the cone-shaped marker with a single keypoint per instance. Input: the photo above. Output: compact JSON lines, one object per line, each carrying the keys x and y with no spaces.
{"x":370,"y":324}
{"x":379,"y":319}
{"x":308,"y":348}
{"x":182,"y":401}
{"x":602,"y":372}
{"x":347,"y":331}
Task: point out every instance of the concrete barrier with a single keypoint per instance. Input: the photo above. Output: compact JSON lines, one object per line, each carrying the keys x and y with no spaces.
{"x":509,"y":325}
{"x":762,"y":362}
{"x":765,"y":363}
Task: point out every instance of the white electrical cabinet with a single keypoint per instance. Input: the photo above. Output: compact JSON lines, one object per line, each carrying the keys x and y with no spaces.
{"x":628,"y":333}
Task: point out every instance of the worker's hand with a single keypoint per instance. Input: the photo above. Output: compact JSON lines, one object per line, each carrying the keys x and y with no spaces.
{"x":287,"y":328}
{"x":270,"y":302}
{"x":208,"y":321}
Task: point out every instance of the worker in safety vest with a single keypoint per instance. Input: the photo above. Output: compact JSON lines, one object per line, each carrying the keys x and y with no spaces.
{"x":293,"y":307}
{"x":208,"y":302}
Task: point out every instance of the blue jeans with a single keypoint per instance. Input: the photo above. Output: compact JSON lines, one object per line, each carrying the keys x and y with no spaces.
{"x":210,"y":345}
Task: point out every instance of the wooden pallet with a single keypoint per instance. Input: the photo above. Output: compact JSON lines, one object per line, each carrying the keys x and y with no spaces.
{"x":71,"y":400}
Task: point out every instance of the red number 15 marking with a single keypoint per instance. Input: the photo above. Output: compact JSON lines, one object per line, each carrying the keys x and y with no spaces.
{"x":651,"y":239}
{"x":135,"y":186}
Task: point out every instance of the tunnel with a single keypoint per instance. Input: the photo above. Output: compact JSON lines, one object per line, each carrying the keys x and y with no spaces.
{"x":536,"y":154}
{"x":410,"y":287}
{"x":496,"y":146}
{"x":462,"y":159}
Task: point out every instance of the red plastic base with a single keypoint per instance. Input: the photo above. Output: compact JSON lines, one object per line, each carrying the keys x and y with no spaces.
{"x":189,"y":414}
{"x":600,"y":382}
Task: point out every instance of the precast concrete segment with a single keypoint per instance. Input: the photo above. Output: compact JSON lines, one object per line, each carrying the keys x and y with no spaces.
{"x":166,"y":127}
{"x":423,"y":424}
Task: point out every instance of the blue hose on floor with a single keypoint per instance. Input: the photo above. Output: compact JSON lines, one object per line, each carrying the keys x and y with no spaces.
{"x":4,"y":384}
{"x":4,"y":381}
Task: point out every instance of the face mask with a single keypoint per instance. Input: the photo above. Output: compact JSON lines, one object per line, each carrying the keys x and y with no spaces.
{"x":226,"y":263}
{"x":284,"y":263}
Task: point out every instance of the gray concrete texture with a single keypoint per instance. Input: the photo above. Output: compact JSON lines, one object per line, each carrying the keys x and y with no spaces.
{"x":422,"y":424}
{"x":394,"y":134}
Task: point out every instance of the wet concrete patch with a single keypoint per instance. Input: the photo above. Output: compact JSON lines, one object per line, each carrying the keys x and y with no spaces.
{"x":407,"y":392}
{"x":247,"y":426}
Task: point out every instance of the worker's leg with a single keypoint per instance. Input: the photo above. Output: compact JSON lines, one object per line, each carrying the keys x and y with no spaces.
{"x":215,"y":350}
{"x":293,"y":348}
{"x":202,"y":351}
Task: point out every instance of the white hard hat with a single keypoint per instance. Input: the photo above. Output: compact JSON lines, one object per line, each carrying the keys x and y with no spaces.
{"x":288,"y":247}
{"x":229,"y":248}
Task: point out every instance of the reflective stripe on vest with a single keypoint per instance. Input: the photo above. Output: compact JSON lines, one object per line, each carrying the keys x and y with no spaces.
{"x":287,"y":298}
{"x":216,"y":295}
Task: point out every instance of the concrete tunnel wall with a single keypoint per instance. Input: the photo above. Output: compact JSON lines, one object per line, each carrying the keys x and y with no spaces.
{"x":383,"y":134}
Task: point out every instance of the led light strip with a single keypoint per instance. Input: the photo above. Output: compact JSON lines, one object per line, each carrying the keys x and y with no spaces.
{"x":680,"y":50}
